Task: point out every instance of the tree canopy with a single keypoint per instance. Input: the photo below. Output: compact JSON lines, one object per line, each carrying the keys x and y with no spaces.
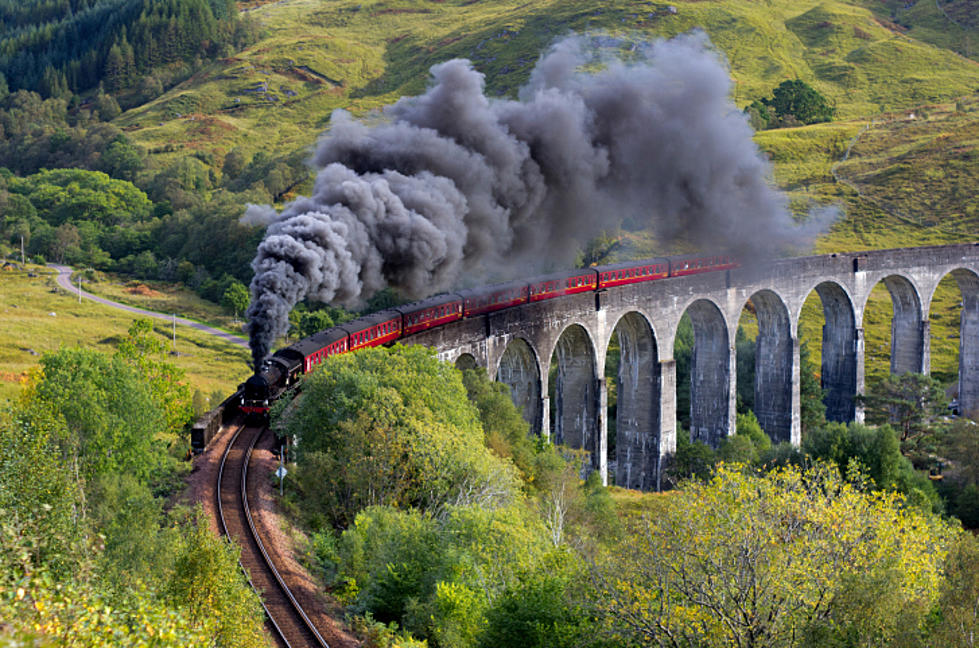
{"x":784,"y":559}
{"x":393,"y":427}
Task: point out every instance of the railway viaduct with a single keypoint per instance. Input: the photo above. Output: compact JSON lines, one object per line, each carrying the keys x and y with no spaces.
{"x":516,"y":345}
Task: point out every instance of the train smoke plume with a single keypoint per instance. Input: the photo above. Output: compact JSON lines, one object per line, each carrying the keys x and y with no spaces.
{"x":453,"y":181}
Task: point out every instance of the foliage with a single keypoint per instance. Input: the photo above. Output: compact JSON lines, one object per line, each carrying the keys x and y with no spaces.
{"x":812,"y":409}
{"x":959,"y":485}
{"x":875,"y":453}
{"x":61,"y":47}
{"x":913,"y":402}
{"x":438,"y":577}
{"x":88,"y":554}
{"x":958,"y":614}
{"x":395,"y":427}
{"x":235,"y":297}
{"x":36,"y":485}
{"x":208,"y":584}
{"x":166,"y":382}
{"x":692,"y":459}
{"x":110,"y":413}
{"x":748,"y":444}
{"x":506,"y":432}
{"x":745,"y":349}
{"x":683,"y":355}
{"x":40,"y":610}
{"x":800,"y":100}
{"x":792,"y":103}
{"x":765,"y":560}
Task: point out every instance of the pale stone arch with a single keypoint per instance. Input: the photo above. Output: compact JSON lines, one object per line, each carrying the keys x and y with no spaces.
{"x":968,"y":397}
{"x":577,"y":395}
{"x":842,"y":356}
{"x":711,"y":404}
{"x":637,"y":443}
{"x":776,"y":360}
{"x":520,"y":368}
{"x":909,"y":334}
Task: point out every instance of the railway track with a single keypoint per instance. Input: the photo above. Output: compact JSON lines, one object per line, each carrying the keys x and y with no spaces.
{"x":287,"y":622}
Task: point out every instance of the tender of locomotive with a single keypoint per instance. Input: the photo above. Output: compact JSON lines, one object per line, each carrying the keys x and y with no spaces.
{"x":287,"y":365}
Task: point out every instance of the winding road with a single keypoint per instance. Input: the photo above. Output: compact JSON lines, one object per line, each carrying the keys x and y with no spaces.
{"x":64,"y":280}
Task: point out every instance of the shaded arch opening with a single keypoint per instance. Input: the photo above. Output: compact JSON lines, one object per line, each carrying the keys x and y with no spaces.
{"x":465,"y":362}
{"x":828,"y":324}
{"x":765,"y":360}
{"x":520,"y":370}
{"x":633,"y":383}
{"x":709,"y":372}
{"x":965,"y":390}
{"x":894,"y":333}
{"x":574,"y":393}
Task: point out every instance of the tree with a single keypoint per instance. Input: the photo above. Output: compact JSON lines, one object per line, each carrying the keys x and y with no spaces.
{"x":959,"y":603}
{"x":812,"y":409}
{"x":122,"y":160}
{"x":764,"y":560}
{"x":66,"y":242}
{"x":505,"y":430}
{"x":73,"y":195}
{"x":912,"y":402}
{"x":800,"y":100}
{"x":166,"y":382}
{"x":110,"y":413}
{"x":394,"y":427}
{"x":234,"y":164}
{"x":311,"y":322}
{"x":107,"y":106}
{"x":236,"y":298}
{"x":208,"y":583}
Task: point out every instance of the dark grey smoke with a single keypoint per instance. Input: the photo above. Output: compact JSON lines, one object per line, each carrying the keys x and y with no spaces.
{"x":452,"y":181}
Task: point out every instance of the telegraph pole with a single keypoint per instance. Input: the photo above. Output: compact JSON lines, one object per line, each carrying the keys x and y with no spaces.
{"x":79,"y":289}
{"x":22,"y":262}
{"x":174,"y":346}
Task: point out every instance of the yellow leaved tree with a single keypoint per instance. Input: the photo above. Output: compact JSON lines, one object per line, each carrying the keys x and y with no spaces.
{"x":791,"y":558}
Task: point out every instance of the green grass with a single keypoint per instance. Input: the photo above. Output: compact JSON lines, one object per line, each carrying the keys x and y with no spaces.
{"x":163,"y":297}
{"x":954,"y":25}
{"x":316,"y":56}
{"x":37,"y":318}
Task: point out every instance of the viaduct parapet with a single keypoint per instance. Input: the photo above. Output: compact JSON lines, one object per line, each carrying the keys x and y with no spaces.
{"x":516,"y":346}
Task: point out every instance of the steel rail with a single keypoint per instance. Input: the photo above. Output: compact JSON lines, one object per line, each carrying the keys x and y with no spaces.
{"x":261,"y":547}
{"x":299,"y":618}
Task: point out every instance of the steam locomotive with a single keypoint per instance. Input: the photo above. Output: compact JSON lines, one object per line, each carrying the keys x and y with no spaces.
{"x":286,"y":366}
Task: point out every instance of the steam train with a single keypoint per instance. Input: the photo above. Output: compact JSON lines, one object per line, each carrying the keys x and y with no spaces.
{"x":287,"y":365}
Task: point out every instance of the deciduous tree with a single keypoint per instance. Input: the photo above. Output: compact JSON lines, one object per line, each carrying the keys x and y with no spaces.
{"x":747,"y":560}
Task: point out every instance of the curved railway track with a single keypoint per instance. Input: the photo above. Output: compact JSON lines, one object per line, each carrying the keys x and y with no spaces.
{"x":288,"y":622}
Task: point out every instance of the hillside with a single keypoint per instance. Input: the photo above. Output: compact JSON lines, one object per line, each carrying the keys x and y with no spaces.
{"x":314,"y":57}
{"x":240,"y":127}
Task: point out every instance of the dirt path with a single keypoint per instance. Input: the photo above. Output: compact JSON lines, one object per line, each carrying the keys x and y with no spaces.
{"x":64,"y":280}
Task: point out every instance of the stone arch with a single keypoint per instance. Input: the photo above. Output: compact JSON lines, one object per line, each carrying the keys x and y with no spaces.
{"x":908,"y":334}
{"x":520,"y":369}
{"x":577,"y":392}
{"x":637,"y":447}
{"x":710,"y":374}
{"x":968,"y":282}
{"x":775,"y":360}
{"x":838,"y":367}
{"x":466,"y":361}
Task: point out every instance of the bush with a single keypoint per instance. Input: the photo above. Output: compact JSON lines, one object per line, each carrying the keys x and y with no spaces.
{"x":394,"y":427}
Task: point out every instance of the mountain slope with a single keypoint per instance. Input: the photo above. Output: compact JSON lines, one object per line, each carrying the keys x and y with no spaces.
{"x":317,"y":56}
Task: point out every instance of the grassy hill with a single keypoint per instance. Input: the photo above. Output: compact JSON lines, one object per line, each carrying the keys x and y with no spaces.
{"x":316,"y":56}
{"x":39,"y":317}
{"x":896,"y":180}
